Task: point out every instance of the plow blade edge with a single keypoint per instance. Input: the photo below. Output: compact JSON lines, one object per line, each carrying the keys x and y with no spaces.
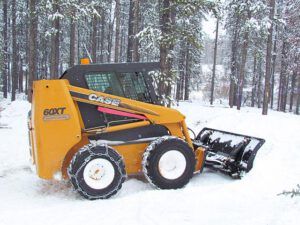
{"x":230,"y":153}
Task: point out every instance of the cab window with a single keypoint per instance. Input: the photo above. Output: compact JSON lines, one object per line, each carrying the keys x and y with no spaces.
{"x":106,"y":82}
{"x":134,"y":86}
{"x":126,"y":84}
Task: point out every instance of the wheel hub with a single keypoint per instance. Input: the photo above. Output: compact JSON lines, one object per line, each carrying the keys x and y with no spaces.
{"x":98,"y":173}
{"x":172,"y":164}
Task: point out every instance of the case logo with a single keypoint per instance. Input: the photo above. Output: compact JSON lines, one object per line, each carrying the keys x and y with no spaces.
{"x":55,"y":114}
{"x":104,"y":100}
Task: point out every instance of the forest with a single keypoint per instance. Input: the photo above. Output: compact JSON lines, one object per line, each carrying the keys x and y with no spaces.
{"x":252,"y":59}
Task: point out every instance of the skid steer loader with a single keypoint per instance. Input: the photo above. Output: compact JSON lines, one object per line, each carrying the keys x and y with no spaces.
{"x":98,"y":123}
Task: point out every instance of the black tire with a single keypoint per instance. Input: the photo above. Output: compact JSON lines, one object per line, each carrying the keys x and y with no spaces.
{"x":153,"y":154}
{"x":83,"y":157}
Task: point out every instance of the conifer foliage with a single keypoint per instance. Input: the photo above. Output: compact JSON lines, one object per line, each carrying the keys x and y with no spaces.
{"x":252,"y":59}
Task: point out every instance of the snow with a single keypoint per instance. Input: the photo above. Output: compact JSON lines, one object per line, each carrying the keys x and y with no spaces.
{"x":210,"y":198}
{"x":209,"y":26}
{"x":207,"y":69}
{"x":235,"y":140}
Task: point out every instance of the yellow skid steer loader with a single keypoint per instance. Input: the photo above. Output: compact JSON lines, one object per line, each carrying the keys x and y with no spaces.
{"x":99,"y":123}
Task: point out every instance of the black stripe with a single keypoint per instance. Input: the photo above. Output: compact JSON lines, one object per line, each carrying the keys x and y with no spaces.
{"x":79,"y":95}
{"x":132,"y":134}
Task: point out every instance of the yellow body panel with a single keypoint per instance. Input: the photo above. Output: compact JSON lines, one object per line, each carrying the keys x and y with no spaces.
{"x":58,"y":131}
{"x":53,"y":137}
{"x":200,"y":158}
{"x":132,"y":155}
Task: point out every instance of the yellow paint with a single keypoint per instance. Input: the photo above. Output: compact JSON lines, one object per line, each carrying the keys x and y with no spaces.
{"x":85,"y":61}
{"x":200,"y":158}
{"x":132,"y":155}
{"x":54,"y":142}
{"x":53,"y":139}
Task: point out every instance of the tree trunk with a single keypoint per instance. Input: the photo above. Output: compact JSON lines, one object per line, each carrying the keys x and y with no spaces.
{"x":136,"y":13}
{"x":259,"y":82}
{"x":133,"y":25}
{"x":21,"y":74}
{"x":283,"y":78}
{"x":233,"y":68}
{"x":181,"y":69}
{"x":9,"y":55}
{"x":122,"y":47}
{"x":187,"y":75}
{"x":32,"y":47}
{"x":273,"y":68}
{"x":241,"y":78}
{"x":130,"y":31}
{"x":166,"y":46}
{"x":298,"y":95}
{"x":178,"y":87}
{"x":267,"y":89}
{"x":55,"y":42}
{"x":254,"y":82}
{"x":285,"y":95}
{"x":102,"y":36}
{"x":293,"y":85}
{"x":279,"y":89}
{"x":26,"y":81}
{"x":5,"y":48}
{"x":44,"y":60}
{"x":14,"y":74}
{"x":117,"y":36}
{"x":110,"y":35}
{"x":214,"y":64}
{"x":73,"y":42}
{"x":94,"y":39}
{"x":9,"y":68}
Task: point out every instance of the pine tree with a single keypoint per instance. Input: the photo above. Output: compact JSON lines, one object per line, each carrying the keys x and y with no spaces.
{"x":214,"y":64}
{"x":5,"y":49}
{"x":54,"y":34}
{"x":133,"y":29}
{"x":55,"y":39}
{"x":117,"y":35}
{"x":267,"y":89}
{"x":14,"y":74}
{"x":32,"y":46}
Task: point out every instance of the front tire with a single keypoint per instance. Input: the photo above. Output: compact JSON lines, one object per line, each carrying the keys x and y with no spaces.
{"x":97,"y":172}
{"x":169,"y":163}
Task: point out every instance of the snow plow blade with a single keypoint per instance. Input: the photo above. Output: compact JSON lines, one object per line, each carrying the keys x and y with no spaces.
{"x":230,"y":153}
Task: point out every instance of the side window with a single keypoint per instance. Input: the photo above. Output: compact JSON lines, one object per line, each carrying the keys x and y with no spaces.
{"x":97,"y":82}
{"x":140,"y":87}
{"x":128,"y":85}
{"x":106,"y":82}
{"x":134,"y":86}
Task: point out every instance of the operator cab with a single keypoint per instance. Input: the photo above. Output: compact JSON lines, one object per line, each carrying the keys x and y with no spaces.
{"x":129,"y":80}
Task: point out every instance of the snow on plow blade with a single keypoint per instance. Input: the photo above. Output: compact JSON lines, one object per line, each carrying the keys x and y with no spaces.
{"x":230,"y":153}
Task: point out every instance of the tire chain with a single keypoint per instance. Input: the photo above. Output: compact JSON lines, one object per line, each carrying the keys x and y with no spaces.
{"x":88,"y":148}
{"x":148,"y":151}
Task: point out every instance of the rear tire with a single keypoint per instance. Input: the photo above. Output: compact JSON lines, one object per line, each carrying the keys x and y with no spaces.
{"x":97,"y":172}
{"x":169,"y":163}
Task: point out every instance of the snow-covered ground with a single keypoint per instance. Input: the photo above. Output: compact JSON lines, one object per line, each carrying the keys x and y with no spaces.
{"x":210,"y":198}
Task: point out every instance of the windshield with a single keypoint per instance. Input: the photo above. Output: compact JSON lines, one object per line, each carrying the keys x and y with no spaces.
{"x":127,"y":84}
